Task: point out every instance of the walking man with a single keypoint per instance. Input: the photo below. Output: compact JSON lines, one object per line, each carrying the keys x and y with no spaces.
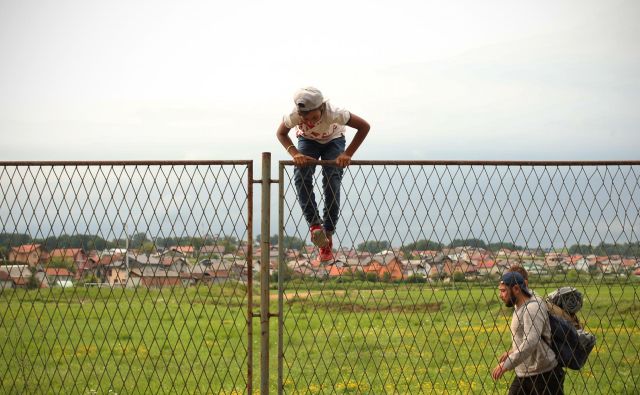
{"x":534,"y":362}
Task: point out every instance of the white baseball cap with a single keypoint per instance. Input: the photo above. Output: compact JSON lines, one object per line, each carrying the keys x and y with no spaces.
{"x":308,"y":99}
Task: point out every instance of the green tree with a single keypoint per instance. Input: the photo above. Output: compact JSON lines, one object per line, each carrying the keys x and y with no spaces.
{"x":62,"y":262}
{"x":417,"y":279}
{"x":458,"y":277}
{"x":605,"y":249}
{"x":498,"y":246}
{"x":138,"y":239}
{"x":33,"y":282}
{"x":117,"y":243}
{"x":88,"y":279}
{"x":229,"y":243}
{"x":165,"y":242}
{"x":583,"y":249}
{"x":196,"y":243}
{"x":572,"y":276}
{"x":148,"y":248}
{"x":422,"y":245}
{"x":476,"y":243}
{"x":9,"y":240}
{"x":292,"y":242}
{"x":287,"y":275}
{"x":288,"y":242}
{"x":374,"y":246}
{"x":360,"y":275}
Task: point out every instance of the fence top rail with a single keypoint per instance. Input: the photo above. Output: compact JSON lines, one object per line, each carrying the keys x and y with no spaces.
{"x":475,"y":163}
{"x":127,"y":163}
{"x":325,"y":162}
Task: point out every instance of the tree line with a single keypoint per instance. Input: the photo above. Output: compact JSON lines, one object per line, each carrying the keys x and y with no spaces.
{"x":141,"y":241}
{"x":425,"y":245}
{"x":631,"y":249}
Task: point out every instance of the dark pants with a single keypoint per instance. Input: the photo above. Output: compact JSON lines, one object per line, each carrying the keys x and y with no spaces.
{"x":331,"y":179}
{"x":548,"y":383}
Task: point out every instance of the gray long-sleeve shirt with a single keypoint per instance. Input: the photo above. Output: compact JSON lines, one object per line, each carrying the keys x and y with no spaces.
{"x":529,"y":353}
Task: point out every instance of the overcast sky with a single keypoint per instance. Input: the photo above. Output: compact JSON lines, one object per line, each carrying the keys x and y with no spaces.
{"x":106,"y":80}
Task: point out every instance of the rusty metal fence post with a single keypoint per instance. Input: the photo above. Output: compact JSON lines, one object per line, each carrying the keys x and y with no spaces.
{"x":250,"y":278}
{"x":281,"y":269}
{"x":265,"y":266}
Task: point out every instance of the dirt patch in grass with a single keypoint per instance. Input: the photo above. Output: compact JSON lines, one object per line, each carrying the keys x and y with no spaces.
{"x":335,"y":303}
{"x":416,"y":308}
{"x":292,"y":296}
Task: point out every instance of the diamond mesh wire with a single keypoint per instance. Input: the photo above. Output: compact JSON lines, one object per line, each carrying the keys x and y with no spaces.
{"x":176,"y":323}
{"x":124,"y":278}
{"x":411,"y":304}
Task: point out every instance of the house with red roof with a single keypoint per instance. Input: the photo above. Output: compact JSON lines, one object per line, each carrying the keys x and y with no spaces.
{"x":211,"y":251}
{"x":76,"y":256}
{"x":469,"y":270}
{"x":610,"y":264}
{"x":88,"y":266}
{"x":303,"y":268}
{"x":629,"y":263}
{"x":577,"y":262}
{"x":373,"y":267}
{"x":416,"y":268}
{"x":345,"y":253}
{"x":503,"y":252}
{"x":20,"y":275}
{"x":185,"y":250}
{"x":154,"y":278}
{"x":391,"y":267}
{"x":487,"y":267}
{"x":425,"y":253}
{"x":338,"y":271}
{"x":242,"y":250}
{"x":554,"y":260}
{"x":27,"y":254}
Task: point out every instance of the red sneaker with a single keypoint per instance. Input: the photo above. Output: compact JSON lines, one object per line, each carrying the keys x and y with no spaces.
{"x":326,"y":252}
{"x":318,"y":237}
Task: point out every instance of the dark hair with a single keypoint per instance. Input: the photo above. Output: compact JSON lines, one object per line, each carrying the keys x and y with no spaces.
{"x":519,"y":269}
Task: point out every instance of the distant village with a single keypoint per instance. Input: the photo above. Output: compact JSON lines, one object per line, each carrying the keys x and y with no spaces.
{"x":31,"y":266}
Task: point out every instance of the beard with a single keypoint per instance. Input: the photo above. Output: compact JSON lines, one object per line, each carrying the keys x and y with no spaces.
{"x":511,"y":302}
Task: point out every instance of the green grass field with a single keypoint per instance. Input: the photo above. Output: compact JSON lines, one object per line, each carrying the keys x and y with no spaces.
{"x":338,"y":338}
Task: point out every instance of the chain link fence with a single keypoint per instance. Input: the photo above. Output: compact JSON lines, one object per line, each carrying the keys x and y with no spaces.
{"x":138,"y":277}
{"x":410,"y":304}
{"x":120,"y":278}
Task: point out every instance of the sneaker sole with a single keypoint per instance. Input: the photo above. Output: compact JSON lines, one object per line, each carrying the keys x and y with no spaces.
{"x":319,"y":239}
{"x":328,"y":261}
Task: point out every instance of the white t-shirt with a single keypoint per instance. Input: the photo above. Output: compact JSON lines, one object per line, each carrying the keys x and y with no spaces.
{"x":330,"y":126}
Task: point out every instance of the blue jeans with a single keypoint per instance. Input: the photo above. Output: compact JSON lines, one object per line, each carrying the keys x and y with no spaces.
{"x":331,"y":179}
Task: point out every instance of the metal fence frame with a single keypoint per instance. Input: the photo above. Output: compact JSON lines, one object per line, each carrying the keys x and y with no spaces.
{"x":73,"y":167}
{"x":282,"y":210}
{"x":266,"y":383}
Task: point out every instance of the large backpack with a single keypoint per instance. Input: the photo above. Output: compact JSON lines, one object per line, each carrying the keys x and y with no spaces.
{"x":572,"y":346}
